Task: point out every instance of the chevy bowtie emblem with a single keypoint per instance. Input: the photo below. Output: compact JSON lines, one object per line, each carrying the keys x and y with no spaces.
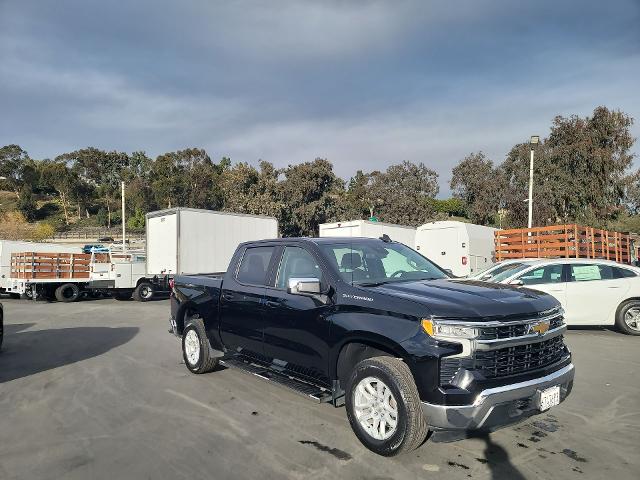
{"x":539,"y":328}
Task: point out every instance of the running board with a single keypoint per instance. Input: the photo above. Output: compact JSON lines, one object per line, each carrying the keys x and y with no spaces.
{"x":317,"y":394}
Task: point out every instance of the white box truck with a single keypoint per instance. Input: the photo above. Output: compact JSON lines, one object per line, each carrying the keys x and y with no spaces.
{"x":366,"y":228}
{"x":463,"y":248}
{"x":188,"y":241}
{"x":15,"y":287}
{"x":180,"y":241}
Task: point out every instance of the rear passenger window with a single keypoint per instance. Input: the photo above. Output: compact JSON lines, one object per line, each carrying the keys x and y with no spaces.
{"x":255,"y":265}
{"x":590,"y":272}
{"x":623,"y":272}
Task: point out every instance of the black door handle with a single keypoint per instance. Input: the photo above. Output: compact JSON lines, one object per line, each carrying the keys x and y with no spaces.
{"x":227,"y":296}
{"x":272,"y":304}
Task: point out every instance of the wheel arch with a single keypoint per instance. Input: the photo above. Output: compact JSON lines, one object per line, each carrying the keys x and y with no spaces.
{"x":621,"y":304}
{"x":184,"y":310}
{"x":143,"y":280}
{"x":358,"y":347}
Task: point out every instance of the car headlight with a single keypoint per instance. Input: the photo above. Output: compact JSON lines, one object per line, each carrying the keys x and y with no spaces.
{"x":439,"y":329}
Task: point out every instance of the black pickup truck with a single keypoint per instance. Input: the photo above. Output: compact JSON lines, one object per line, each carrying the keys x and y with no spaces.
{"x":372,"y":324}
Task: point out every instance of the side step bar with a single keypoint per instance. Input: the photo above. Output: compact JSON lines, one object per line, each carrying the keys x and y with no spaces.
{"x":317,"y":394}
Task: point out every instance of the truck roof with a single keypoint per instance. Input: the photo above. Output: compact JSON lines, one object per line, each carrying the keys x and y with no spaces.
{"x":316,"y":240}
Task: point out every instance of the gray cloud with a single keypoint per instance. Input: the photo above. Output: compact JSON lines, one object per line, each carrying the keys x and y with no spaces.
{"x":364,"y":84}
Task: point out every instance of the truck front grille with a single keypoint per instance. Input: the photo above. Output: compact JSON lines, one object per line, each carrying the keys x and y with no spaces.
{"x":506,"y":361}
{"x":514,"y":330}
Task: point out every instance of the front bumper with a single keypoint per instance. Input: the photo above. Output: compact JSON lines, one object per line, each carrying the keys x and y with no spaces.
{"x":499,"y":406}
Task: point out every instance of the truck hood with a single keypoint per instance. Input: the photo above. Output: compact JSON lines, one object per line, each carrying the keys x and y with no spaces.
{"x":470,"y":299}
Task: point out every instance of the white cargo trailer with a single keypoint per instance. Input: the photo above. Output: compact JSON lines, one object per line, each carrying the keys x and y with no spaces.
{"x":369,"y":229}
{"x":16,"y":287}
{"x":463,"y":248}
{"x":188,"y":240}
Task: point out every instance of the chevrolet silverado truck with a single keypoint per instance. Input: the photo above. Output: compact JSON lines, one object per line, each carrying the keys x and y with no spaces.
{"x":373,"y":325}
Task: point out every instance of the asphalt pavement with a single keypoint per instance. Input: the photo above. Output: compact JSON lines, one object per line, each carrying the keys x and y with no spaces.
{"x":97,"y":389}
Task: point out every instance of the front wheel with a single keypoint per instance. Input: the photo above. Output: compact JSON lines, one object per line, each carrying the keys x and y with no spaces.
{"x":195,"y":347}
{"x":383,"y":406}
{"x":628,"y":317}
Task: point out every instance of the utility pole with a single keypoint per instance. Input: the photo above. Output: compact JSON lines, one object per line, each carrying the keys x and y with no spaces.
{"x":535,"y":139}
{"x":124,"y":228}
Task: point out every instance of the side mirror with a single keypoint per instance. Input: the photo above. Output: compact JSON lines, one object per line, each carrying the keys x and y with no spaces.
{"x":304,"y":286}
{"x":517,"y":282}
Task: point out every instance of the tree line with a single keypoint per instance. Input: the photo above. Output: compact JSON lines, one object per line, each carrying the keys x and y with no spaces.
{"x":582,"y":174}
{"x":86,"y":186}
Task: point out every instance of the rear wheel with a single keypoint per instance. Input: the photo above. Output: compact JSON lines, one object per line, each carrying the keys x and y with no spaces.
{"x":628,"y":317}
{"x":383,"y":406}
{"x":143,"y":292}
{"x":69,"y":292}
{"x":195,"y":347}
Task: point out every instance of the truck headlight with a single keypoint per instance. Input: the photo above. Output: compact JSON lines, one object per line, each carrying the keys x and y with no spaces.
{"x":438,"y":329}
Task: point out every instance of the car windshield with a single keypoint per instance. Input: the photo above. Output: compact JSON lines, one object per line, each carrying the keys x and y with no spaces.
{"x":495,"y":270}
{"x":364,"y":262}
{"x":508,"y":271}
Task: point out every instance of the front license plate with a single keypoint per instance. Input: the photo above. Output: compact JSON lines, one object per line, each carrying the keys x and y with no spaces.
{"x":549,"y":398}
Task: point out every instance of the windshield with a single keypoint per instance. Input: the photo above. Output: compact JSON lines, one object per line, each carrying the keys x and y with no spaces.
{"x":374,"y":263}
{"x":506,"y":272}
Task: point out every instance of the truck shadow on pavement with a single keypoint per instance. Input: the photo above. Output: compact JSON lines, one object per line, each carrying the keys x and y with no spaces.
{"x":498,"y":461}
{"x":27,"y":352}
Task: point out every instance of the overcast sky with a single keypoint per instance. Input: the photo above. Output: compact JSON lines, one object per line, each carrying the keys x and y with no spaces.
{"x":362,"y":83}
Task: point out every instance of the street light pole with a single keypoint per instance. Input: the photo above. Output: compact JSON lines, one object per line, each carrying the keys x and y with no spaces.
{"x":532,"y":143}
{"x":124,"y":228}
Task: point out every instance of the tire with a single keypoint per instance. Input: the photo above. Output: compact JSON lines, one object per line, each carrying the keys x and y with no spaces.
{"x":144,"y":292}
{"x":195,"y":348}
{"x":411,"y":425}
{"x":68,"y":292}
{"x":122,"y":295}
{"x":628,"y":317}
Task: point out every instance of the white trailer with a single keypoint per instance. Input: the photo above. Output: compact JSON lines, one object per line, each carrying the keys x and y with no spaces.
{"x":16,"y":287}
{"x":463,"y":248}
{"x":189,"y":241}
{"x":369,"y":229}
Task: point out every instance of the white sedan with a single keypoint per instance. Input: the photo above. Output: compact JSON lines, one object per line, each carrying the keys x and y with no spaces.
{"x":592,"y":292}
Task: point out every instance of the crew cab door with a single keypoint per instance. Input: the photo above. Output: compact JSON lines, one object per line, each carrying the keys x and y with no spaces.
{"x":550,"y":278}
{"x":594,"y":291}
{"x":296,"y":331}
{"x":242,"y":311}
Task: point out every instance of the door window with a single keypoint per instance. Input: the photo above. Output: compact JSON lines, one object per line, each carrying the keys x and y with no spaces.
{"x":297,"y":263}
{"x":623,"y":272}
{"x":255,"y":265}
{"x":546,"y":274}
{"x":589,"y":272}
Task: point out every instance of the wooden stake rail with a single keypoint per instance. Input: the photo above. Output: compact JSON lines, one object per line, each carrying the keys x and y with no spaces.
{"x":569,"y":241}
{"x":50,"y":266}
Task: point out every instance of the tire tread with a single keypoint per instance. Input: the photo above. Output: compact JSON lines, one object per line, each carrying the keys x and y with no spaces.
{"x":620,"y":323}
{"x":417,"y":427}
{"x":208,"y":362}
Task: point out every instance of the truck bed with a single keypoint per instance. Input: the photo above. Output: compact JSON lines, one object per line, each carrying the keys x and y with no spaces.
{"x":201,"y":279}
